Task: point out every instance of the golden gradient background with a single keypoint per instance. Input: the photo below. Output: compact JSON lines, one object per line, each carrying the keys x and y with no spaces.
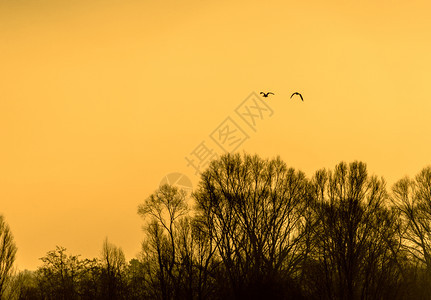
{"x":101,"y":99}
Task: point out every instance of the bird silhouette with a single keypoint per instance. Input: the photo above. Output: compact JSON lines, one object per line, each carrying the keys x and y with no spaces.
{"x":266,"y":94}
{"x":296,"y":93}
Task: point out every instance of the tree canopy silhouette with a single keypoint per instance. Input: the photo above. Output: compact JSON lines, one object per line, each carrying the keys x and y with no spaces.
{"x":254,"y":215}
{"x":255,"y":229}
{"x":7,"y":255}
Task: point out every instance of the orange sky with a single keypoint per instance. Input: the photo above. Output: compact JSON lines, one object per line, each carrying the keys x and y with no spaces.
{"x":99,"y":101}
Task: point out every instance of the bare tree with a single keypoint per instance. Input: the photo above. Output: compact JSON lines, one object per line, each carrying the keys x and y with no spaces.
{"x":7,"y":255}
{"x":62,"y":274}
{"x":165,"y":208}
{"x":24,"y":286}
{"x":355,"y":236}
{"x":254,"y":215}
{"x":412,"y":198}
{"x":113,"y":268}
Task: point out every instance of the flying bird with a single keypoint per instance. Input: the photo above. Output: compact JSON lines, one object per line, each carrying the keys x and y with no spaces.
{"x":266,"y":94}
{"x":296,"y":93}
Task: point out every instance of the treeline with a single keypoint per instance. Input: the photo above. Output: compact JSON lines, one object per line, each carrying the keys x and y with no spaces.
{"x":257,"y":229}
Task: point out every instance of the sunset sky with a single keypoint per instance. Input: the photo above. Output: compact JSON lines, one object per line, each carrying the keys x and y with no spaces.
{"x":100,"y":100}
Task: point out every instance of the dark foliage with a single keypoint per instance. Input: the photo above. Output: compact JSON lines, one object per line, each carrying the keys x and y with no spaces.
{"x":256,"y":229}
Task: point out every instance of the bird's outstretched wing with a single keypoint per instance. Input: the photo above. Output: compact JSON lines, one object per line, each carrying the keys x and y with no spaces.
{"x":266,"y":94}
{"x":296,"y":93}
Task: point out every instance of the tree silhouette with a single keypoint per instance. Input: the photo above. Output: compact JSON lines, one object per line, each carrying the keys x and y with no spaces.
{"x":256,"y":230}
{"x":354,"y":236}
{"x":62,"y":275}
{"x":112,"y":271}
{"x":165,"y":208}
{"x":254,"y":215}
{"x":412,"y":199}
{"x":7,"y":255}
